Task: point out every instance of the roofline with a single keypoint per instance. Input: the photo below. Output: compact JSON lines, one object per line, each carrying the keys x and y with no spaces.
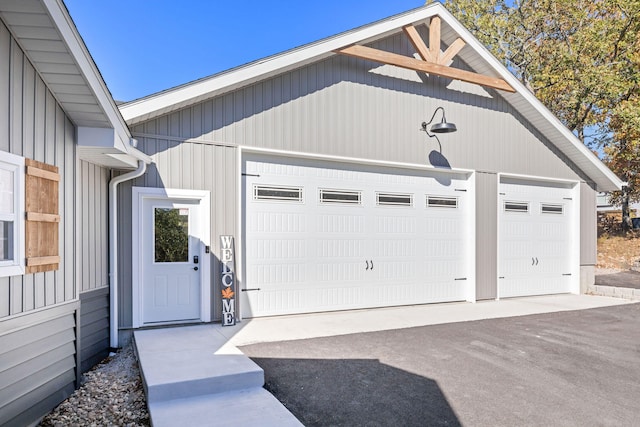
{"x":173,"y":99}
{"x":71,"y":37}
{"x":160,"y":103}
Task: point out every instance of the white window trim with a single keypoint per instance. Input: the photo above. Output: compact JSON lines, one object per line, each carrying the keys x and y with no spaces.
{"x":15,"y":267}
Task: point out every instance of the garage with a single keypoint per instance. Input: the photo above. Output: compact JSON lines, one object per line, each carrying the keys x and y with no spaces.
{"x":322,"y":236}
{"x":538,"y":238}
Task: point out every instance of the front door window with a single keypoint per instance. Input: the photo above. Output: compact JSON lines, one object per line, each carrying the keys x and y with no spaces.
{"x":171,"y":230}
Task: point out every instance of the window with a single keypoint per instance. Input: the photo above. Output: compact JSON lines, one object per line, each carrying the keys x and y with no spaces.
{"x":394,"y":199}
{"x":11,"y":214}
{"x":171,"y":235}
{"x":549,"y":208}
{"x":340,"y":197}
{"x":277,"y":193}
{"x":521,"y":207}
{"x":442,"y":202}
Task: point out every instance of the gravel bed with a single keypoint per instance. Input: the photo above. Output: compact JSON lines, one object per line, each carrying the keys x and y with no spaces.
{"x":111,"y":395}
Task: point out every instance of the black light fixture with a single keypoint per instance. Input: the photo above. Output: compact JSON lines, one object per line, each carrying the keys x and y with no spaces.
{"x":442,"y":127}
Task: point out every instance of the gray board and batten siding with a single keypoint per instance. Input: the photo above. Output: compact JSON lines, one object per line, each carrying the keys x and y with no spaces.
{"x":342,"y":106}
{"x":40,"y":322}
{"x":93,"y":265}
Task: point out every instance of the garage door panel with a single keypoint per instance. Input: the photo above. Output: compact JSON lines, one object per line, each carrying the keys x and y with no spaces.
{"x":361,"y":252}
{"x":535,"y":245}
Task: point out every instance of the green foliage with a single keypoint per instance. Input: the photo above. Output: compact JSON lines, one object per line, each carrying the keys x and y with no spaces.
{"x":171,"y":236}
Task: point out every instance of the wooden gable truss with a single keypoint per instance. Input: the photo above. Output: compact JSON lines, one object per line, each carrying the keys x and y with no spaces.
{"x":432,"y":61}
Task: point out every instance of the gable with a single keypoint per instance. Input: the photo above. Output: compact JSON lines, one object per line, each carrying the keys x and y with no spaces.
{"x":349,"y":107}
{"x":474,"y":55}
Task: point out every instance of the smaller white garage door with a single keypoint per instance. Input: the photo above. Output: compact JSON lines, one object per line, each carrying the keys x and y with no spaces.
{"x":327,"y":236}
{"x":538,"y":238}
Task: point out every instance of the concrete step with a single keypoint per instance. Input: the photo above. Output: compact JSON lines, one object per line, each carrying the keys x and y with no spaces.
{"x":185,"y":362}
{"x":247,"y":408}
{"x":177,"y":375}
{"x":193,"y":377}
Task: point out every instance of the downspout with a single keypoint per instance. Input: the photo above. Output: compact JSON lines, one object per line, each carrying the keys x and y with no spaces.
{"x":113,"y":247}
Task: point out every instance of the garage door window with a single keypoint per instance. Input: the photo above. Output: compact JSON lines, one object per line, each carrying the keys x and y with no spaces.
{"x":442,"y":202}
{"x":518,"y":207}
{"x":277,"y":193}
{"x":394,"y":199}
{"x":340,"y":197}
{"x":548,"y":208}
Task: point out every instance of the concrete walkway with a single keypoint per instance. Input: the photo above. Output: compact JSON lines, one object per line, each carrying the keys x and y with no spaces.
{"x":196,"y":376}
{"x":285,"y":328}
{"x":193,"y":377}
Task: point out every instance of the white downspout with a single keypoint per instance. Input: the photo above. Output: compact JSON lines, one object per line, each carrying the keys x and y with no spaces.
{"x":113,"y":247}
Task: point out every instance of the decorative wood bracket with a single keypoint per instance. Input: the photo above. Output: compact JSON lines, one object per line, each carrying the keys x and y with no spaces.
{"x":433,"y":60}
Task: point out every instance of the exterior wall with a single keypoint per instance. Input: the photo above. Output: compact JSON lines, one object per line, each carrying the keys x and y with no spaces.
{"x":37,"y":363}
{"x":93,"y":270}
{"x":93,"y":339}
{"x":33,"y":125}
{"x":37,"y":311}
{"x":198,"y":166}
{"x":486,"y":236}
{"x":348,"y":107}
{"x":588,"y":226}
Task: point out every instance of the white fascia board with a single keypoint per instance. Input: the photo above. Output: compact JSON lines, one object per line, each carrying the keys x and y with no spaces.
{"x":614,"y":183}
{"x":62,"y":21}
{"x":164,"y":102}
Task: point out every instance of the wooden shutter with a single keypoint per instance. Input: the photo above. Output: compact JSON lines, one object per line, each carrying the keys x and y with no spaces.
{"x":42,"y":217}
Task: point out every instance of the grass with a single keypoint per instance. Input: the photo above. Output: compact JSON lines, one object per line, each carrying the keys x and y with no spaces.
{"x":618,"y":251}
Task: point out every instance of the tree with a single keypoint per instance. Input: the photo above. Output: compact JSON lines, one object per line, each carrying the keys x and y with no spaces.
{"x":171,"y":235}
{"x":581,"y":58}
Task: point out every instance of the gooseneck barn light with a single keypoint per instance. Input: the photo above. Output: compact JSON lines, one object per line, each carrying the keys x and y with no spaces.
{"x":442,"y":127}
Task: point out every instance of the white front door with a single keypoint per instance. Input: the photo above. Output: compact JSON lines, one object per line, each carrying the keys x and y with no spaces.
{"x":171,"y":260}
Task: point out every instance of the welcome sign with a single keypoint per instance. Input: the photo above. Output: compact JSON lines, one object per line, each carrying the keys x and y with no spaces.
{"x":228,"y":280}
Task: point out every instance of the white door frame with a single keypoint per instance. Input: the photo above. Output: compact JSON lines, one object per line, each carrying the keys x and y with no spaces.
{"x":139,"y":195}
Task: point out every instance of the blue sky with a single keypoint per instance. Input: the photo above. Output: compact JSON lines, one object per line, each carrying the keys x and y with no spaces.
{"x":143,"y":46}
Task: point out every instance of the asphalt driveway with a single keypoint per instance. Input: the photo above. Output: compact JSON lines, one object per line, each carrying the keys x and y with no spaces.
{"x":622,"y":279}
{"x":578,"y":368}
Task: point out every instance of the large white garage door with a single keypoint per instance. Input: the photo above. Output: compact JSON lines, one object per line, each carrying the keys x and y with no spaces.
{"x":537,"y":239}
{"x":321,"y":237}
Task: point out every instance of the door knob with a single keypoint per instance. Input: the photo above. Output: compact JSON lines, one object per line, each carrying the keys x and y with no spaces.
{"x":195,"y":268}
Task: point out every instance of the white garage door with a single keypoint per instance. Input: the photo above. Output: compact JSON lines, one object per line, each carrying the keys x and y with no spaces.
{"x":321,"y":237}
{"x":537,"y":239}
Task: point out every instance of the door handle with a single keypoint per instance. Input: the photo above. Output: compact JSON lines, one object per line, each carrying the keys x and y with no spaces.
{"x":536,"y":260}
{"x":367,"y":265}
{"x":372,"y":264}
{"x":532,"y":261}
{"x":195,"y":268}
